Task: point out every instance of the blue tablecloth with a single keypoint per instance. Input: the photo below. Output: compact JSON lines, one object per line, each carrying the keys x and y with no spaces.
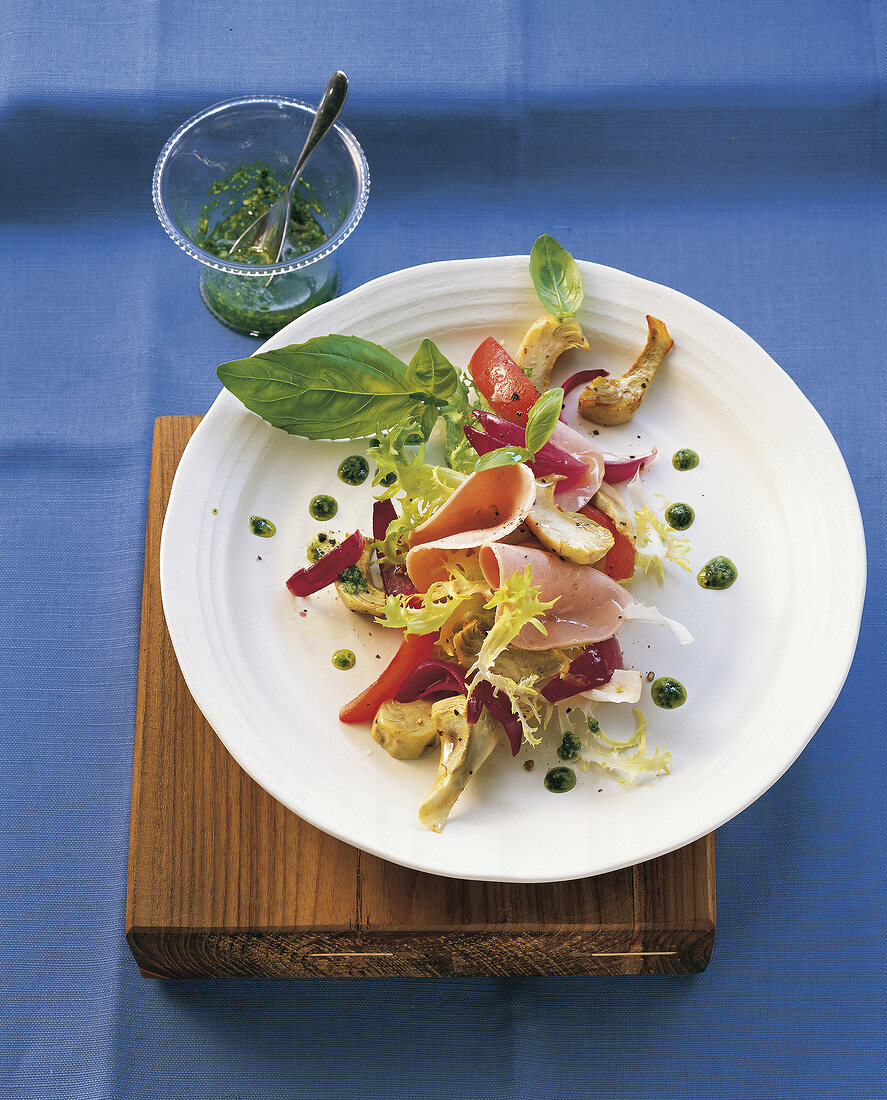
{"x":733,"y":151}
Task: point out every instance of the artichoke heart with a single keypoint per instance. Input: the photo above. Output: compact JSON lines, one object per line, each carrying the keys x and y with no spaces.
{"x":610,"y":401}
{"x":357,"y":590}
{"x":404,"y":730}
{"x":611,"y":502}
{"x":517,"y":664}
{"x":575,"y":537}
{"x":463,"y":749}
{"x":544,"y":341}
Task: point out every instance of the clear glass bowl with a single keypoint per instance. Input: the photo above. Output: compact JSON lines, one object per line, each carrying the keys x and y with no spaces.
{"x":270,"y":130}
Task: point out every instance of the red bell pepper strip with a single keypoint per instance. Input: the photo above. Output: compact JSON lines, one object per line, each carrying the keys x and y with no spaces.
{"x":618,"y":562}
{"x":325,"y":570}
{"x":501,"y":381}
{"x":413,"y":649}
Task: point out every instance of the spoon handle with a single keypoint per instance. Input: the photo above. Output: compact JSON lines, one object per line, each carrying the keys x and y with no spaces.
{"x":328,"y":110}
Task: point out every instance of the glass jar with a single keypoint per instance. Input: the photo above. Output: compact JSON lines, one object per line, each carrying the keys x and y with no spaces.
{"x":243,"y":135}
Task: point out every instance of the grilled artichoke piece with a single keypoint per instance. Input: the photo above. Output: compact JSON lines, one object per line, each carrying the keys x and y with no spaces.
{"x":610,"y":401}
{"x":545,"y":340}
{"x":357,"y":590}
{"x":517,"y":664}
{"x":611,"y":502}
{"x":575,"y":537}
{"x":404,"y":730}
{"x":463,"y":749}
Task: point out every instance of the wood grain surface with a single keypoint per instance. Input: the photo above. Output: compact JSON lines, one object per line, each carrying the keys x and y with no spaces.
{"x":224,"y":880}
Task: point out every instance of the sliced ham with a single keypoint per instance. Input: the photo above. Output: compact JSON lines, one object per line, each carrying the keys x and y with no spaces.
{"x":590,"y":605}
{"x":489,"y":505}
{"x":572,"y":498}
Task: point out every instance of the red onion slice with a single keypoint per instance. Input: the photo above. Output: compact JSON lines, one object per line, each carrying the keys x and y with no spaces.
{"x":591,"y":669}
{"x":499,"y":706}
{"x":324,"y":571}
{"x":431,"y":677}
{"x":581,"y":377}
{"x":549,"y":458}
{"x":383,"y":513}
{"x":619,"y":468}
{"x":396,"y":580}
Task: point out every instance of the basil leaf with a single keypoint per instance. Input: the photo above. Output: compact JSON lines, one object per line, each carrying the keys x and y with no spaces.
{"x":331,"y":387}
{"x":427,"y":421}
{"x":556,"y":277}
{"x":433,"y":372}
{"x":543,"y":417}
{"x":503,"y":456}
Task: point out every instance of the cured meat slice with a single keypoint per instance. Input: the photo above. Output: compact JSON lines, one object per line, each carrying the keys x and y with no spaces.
{"x":489,"y":505}
{"x":572,"y":498}
{"x":590,"y":604}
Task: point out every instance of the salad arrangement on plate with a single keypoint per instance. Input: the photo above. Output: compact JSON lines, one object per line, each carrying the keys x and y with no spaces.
{"x":505,"y":565}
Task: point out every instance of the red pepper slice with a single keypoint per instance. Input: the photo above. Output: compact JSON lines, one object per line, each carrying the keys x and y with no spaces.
{"x":304,"y":582}
{"x":501,"y":381}
{"x":413,"y":649}
{"x":619,"y":560}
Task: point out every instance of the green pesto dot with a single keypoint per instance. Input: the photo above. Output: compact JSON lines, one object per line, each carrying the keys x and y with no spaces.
{"x":668,"y":693}
{"x":560,"y":780}
{"x":344,"y":659}
{"x":262,"y":527}
{"x":718,"y":573}
{"x":679,"y":516}
{"x":323,"y":507}
{"x":685,"y":459}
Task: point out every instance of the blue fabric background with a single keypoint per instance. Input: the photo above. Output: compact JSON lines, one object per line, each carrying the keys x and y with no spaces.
{"x":735,"y":152}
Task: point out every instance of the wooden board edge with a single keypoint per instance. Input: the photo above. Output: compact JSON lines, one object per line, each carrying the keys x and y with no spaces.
{"x":179,"y":955}
{"x":159,"y":488}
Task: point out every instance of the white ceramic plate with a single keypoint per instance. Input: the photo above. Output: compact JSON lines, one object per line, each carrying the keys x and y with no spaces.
{"x":770,"y":655}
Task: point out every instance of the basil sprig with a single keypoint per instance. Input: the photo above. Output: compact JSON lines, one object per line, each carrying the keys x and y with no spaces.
{"x":342,"y":387}
{"x":543,"y":417}
{"x":556,"y":277}
{"x":503,"y":456}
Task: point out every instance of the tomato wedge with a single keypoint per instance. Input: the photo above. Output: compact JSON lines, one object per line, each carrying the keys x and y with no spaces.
{"x":413,"y":649}
{"x":509,"y":392}
{"x":618,"y":562}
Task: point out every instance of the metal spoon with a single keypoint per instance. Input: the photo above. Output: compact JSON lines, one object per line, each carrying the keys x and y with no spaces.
{"x":268,"y":232}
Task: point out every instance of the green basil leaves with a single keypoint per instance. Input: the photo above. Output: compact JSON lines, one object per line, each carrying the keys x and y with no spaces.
{"x":543,"y":417}
{"x":556,"y":277}
{"x":342,"y":387}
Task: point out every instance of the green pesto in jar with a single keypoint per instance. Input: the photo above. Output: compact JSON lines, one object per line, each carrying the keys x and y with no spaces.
{"x":718,"y":573}
{"x":235,"y":201}
{"x":685,"y":459}
{"x":354,"y":470}
{"x":262,"y":527}
{"x":244,"y":302}
{"x":344,"y":659}
{"x":323,"y":507}
{"x":560,"y":780}
{"x":679,"y":516}
{"x":668,"y":693}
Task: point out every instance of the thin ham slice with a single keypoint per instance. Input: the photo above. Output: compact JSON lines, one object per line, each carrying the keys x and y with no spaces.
{"x":590,"y":605}
{"x":572,"y":498}
{"x":489,"y":505}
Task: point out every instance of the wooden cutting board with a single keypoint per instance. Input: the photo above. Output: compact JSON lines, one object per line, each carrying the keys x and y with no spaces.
{"x":224,"y":880}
